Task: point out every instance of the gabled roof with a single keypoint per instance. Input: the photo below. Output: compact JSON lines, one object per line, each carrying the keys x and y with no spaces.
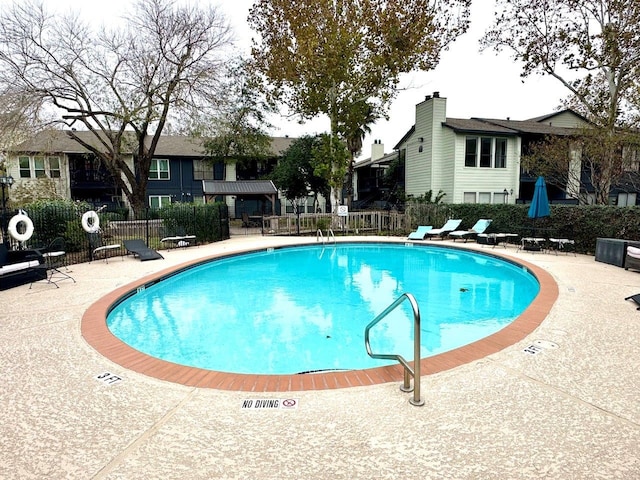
{"x":531,"y":127}
{"x":477,"y":125}
{"x":240,"y":187}
{"x":386,"y":158}
{"x":551,"y":116}
{"x":495,"y":126}
{"x":59,"y":141}
{"x":405,"y":137}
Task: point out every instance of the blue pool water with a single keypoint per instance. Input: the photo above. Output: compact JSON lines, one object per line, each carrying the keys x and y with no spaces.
{"x":301,"y":309}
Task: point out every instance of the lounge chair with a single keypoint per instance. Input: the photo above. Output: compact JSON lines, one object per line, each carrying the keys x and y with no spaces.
{"x":442,"y":232}
{"x":494,"y":239}
{"x":632,"y":258}
{"x":420,"y":232}
{"x":139,"y":249}
{"x":635,"y":298}
{"x":563,"y":244}
{"x":98,"y":247}
{"x":562,"y":241}
{"x":179,"y":241}
{"x":480,"y":227}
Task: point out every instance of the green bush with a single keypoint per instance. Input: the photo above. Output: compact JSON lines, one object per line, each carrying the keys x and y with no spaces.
{"x":202,"y":220}
{"x":583,"y":223}
{"x":56,"y":218}
{"x":323,"y":223}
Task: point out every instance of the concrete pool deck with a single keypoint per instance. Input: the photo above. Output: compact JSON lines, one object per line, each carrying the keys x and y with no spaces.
{"x":566,"y":412}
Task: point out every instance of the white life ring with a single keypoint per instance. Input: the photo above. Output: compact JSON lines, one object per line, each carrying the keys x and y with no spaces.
{"x":90,"y":222}
{"x":13,"y":227}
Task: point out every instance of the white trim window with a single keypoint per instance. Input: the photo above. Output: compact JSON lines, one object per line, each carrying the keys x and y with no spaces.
{"x":500,"y":153}
{"x":485,"y":152}
{"x":38,"y":166}
{"x":25,"y":167}
{"x":54,"y":167}
{"x":484,"y":197}
{"x":159,"y":201}
{"x":627,"y":199}
{"x":469,"y":197}
{"x":159,"y":169}
{"x":471,"y":152}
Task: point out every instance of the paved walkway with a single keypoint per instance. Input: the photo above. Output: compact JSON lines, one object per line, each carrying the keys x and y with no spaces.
{"x":572,"y":412}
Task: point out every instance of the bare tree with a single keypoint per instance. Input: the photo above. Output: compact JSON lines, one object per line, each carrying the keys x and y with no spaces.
{"x":122,"y":84}
{"x":573,"y":163}
{"x":593,"y":48}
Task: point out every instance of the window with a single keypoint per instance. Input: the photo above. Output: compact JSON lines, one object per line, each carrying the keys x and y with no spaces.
{"x":54,"y":167}
{"x":501,"y":153}
{"x":470,"y":152}
{"x":469,"y":197}
{"x":484,"y":197}
{"x":157,"y":201}
{"x":25,"y":170}
{"x":493,"y":152}
{"x":626,"y":199}
{"x":159,"y":169}
{"x":38,"y":167}
{"x":485,"y":152}
{"x":202,"y":170}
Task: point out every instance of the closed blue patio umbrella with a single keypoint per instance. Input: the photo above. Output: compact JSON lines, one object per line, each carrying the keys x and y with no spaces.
{"x":540,"y":204}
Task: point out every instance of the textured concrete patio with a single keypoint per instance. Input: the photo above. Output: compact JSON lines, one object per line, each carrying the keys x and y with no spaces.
{"x":571,"y":412}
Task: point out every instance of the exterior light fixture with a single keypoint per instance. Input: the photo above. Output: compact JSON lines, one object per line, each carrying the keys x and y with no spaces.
{"x":5,"y":182}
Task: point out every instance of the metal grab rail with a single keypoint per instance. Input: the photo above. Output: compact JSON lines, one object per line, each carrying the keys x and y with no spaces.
{"x":408,"y":371}
{"x":330,"y":234}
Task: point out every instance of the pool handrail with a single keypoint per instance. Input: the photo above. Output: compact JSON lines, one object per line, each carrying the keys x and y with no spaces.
{"x":408,"y":371}
{"x":330,"y":234}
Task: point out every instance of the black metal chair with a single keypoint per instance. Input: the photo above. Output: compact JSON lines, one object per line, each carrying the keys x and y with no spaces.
{"x":247,"y":222}
{"x":55,"y":259}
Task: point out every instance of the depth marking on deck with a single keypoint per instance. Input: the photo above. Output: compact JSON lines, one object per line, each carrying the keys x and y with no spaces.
{"x":108,"y":378}
{"x":269,"y":404}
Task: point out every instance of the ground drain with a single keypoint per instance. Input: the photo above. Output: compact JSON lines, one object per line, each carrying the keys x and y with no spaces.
{"x":539,"y":346}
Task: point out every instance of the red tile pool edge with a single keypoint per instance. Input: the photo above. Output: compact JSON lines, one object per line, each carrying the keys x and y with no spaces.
{"x":95,"y":332}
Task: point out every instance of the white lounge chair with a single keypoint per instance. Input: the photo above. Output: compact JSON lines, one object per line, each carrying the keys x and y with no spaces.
{"x":449,"y":226}
{"x":420,"y":232}
{"x":479,"y":227}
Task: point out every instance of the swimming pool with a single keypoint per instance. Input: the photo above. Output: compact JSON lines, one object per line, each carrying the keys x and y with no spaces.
{"x":293,"y":310}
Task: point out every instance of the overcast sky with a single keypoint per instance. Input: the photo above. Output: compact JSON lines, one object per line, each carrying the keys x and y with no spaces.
{"x":475,"y":84}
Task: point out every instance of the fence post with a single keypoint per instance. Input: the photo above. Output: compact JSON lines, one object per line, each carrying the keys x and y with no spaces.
{"x":148,"y":211}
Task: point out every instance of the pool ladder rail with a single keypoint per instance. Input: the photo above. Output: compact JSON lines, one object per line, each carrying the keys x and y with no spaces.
{"x":320,"y":236}
{"x":408,"y":371}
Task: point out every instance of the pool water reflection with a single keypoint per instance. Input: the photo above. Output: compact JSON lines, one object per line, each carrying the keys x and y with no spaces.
{"x":304,"y":309}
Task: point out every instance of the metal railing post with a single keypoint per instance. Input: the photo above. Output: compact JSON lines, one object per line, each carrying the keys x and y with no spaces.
{"x":408,"y":371}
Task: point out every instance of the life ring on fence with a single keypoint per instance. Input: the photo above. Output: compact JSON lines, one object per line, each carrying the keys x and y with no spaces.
{"x":91,"y":222}
{"x":16,"y":220}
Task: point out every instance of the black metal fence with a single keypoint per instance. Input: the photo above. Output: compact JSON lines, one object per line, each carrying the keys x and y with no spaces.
{"x":55,"y":219}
